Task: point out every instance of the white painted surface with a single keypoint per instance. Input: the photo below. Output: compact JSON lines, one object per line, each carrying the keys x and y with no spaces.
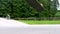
{"x":15,"y":27}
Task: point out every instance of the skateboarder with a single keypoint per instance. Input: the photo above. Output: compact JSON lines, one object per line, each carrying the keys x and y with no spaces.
{"x":8,"y":16}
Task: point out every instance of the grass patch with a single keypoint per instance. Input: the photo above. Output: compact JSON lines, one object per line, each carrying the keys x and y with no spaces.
{"x":40,"y":21}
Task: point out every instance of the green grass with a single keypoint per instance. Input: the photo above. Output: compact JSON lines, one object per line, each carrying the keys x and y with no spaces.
{"x":57,"y":14}
{"x":40,"y":21}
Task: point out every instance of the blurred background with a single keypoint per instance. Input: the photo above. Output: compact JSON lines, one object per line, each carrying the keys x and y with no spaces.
{"x":21,"y":10}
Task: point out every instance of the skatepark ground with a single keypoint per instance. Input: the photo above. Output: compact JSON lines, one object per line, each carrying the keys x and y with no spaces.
{"x":16,"y":27}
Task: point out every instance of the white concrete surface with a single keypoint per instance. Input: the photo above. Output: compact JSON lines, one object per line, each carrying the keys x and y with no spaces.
{"x":15,"y":27}
{"x":10,"y":23}
{"x":30,"y":30}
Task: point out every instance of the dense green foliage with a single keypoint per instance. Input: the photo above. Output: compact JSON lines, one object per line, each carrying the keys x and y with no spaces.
{"x":21,"y":9}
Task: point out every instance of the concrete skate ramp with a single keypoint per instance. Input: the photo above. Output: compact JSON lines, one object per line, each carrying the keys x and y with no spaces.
{"x":31,"y":29}
{"x":15,"y":27}
{"x":10,"y":23}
